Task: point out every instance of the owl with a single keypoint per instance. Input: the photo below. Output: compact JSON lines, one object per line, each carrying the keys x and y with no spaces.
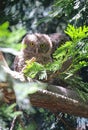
{"x":40,"y":46}
{"x":34,"y":45}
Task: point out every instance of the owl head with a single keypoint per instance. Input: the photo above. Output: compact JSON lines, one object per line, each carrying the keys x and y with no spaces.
{"x":44,"y":44}
{"x":31,"y":44}
{"x":38,"y":46}
{"x":37,"y":43}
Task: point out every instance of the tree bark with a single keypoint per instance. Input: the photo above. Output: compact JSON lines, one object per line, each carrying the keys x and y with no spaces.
{"x":59,"y":103}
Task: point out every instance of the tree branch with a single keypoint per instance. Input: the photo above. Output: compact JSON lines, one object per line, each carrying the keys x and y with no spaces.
{"x":54,"y":98}
{"x":57,"y":102}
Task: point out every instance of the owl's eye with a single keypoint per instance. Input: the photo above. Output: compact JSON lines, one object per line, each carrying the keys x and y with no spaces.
{"x":31,"y":44}
{"x":42,"y":46}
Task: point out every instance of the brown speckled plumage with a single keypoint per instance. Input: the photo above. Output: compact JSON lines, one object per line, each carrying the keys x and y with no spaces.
{"x":40,"y":46}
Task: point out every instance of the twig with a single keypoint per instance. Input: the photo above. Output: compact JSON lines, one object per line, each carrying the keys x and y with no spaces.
{"x":9,"y":50}
{"x":13,"y":123}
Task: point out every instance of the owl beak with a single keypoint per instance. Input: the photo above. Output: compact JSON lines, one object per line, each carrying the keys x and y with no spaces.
{"x":36,"y":50}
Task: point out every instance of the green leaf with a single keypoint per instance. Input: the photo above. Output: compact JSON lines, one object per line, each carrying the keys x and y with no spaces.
{"x":32,"y":69}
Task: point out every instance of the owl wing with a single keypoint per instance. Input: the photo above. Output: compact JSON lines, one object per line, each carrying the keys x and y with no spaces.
{"x":19,"y":63}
